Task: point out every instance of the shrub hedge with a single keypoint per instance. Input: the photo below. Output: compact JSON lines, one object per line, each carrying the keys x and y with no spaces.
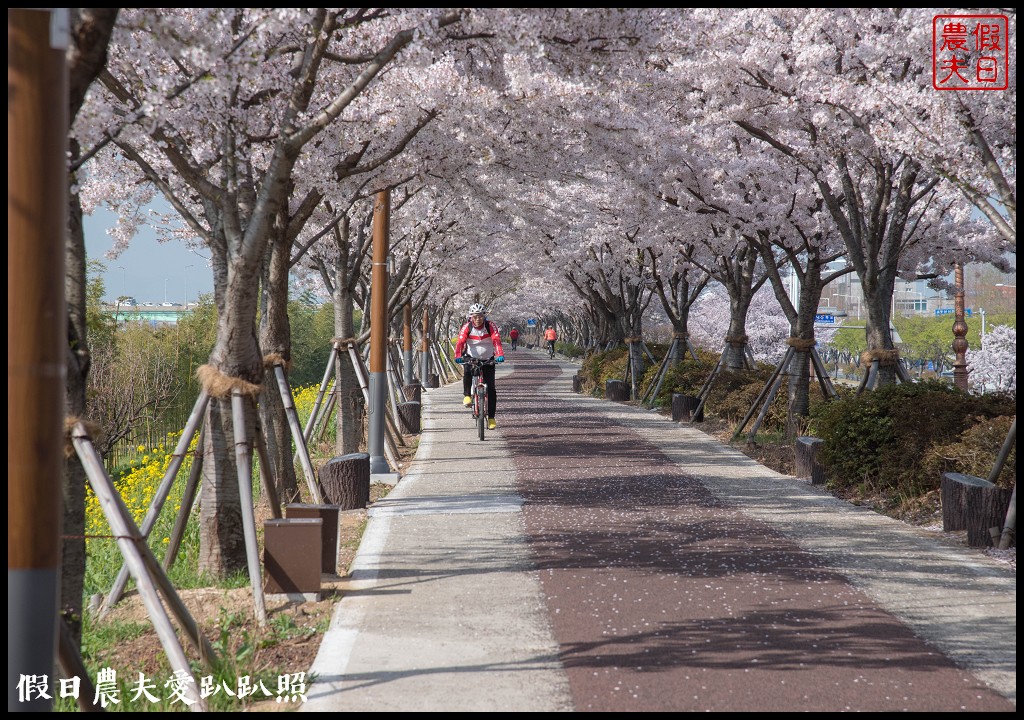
{"x":900,"y":438}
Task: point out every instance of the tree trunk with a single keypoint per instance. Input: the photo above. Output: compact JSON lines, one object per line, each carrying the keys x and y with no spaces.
{"x":72,"y":578}
{"x":799,"y":392}
{"x":221,"y":540}
{"x":878,"y":334}
{"x":275,"y":340}
{"x":350,"y":404}
{"x":236,"y":356}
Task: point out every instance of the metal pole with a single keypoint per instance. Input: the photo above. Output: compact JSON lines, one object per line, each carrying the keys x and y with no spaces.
{"x":37,"y":125}
{"x":425,"y":351}
{"x":379,"y":333}
{"x":407,"y":344}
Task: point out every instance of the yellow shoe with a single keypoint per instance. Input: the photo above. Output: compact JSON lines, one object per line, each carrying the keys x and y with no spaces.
{"x":491,"y":425}
{"x":467,"y":401}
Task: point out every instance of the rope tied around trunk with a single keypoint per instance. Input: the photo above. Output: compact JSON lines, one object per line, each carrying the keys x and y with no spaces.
{"x":344,"y":343}
{"x":219,"y":385}
{"x":801,"y":344}
{"x":736,"y":340}
{"x":94,"y":429}
{"x":631,"y":340}
{"x":884,"y":357}
{"x":272,"y":359}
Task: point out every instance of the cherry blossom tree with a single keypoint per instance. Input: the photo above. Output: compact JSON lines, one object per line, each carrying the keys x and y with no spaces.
{"x":994,"y":367}
{"x":892,"y":213}
{"x":228,"y":102}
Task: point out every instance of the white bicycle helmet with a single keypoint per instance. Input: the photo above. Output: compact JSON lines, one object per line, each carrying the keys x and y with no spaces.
{"x":477,"y":309}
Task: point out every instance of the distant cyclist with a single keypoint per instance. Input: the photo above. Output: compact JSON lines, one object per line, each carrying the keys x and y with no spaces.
{"x":481,"y":339}
{"x":513,"y":335}
{"x":549,"y":339}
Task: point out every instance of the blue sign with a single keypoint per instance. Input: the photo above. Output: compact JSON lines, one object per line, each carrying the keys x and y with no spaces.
{"x":931,"y":365}
{"x":531,"y":322}
{"x":950,"y":311}
{"x":830,"y":319}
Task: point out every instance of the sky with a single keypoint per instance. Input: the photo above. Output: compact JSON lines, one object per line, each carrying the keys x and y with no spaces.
{"x":148,"y":271}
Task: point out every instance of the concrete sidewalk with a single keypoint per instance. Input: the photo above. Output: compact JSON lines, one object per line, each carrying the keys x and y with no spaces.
{"x":447,"y":611}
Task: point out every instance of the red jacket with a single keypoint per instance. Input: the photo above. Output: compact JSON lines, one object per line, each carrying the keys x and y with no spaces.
{"x":478,"y":343}
{"x":513,"y":334}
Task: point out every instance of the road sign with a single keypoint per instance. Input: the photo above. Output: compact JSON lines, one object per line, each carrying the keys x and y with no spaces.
{"x":821,"y":318}
{"x":531,"y":322}
{"x":950,"y":311}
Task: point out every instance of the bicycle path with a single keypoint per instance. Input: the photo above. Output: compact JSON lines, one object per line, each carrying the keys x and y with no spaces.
{"x":594,"y":556}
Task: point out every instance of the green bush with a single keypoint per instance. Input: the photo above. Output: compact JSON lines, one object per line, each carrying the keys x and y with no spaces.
{"x":878,"y":441}
{"x":569,"y":349}
{"x":686,"y":378}
{"x":601,"y":367}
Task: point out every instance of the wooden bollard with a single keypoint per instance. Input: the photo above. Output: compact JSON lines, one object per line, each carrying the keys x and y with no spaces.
{"x":409,"y":413}
{"x":346,"y":481}
{"x":683,"y":407}
{"x":616,"y":390}
{"x":807,"y":464}
{"x":413,"y":391}
{"x":577,"y":384}
{"x":973,"y":504}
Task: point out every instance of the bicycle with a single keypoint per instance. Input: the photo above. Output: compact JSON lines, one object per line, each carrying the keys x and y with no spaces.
{"x":479,"y":406}
{"x":551,"y":349}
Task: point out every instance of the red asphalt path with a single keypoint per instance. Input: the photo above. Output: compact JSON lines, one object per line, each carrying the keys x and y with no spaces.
{"x":662,"y":597}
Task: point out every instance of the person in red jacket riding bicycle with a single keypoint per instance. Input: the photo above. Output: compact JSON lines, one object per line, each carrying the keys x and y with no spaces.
{"x":481,"y":339}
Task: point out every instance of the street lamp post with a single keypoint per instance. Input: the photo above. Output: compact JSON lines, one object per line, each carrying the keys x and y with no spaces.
{"x":165,"y":291}
{"x":124,"y":271}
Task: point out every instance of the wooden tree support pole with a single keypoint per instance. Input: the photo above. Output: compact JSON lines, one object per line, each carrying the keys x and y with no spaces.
{"x":768,"y":400}
{"x":321,"y":426}
{"x":243,"y":461}
{"x":307,"y":433}
{"x":705,"y":390}
{"x":187,"y":503}
{"x":267,"y":480}
{"x":72,"y":666}
{"x":824,"y":380}
{"x":132,"y":546}
{"x":163,"y":490}
{"x":652,"y":390}
{"x":870,"y":375}
{"x":394,"y":398}
{"x":764,"y":391}
{"x":297,"y":436}
{"x":692,"y":349}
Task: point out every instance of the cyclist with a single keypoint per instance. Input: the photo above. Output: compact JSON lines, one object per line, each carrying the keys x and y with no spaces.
{"x":513,"y":335}
{"x":481,"y":339}
{"x":549,"y":339}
